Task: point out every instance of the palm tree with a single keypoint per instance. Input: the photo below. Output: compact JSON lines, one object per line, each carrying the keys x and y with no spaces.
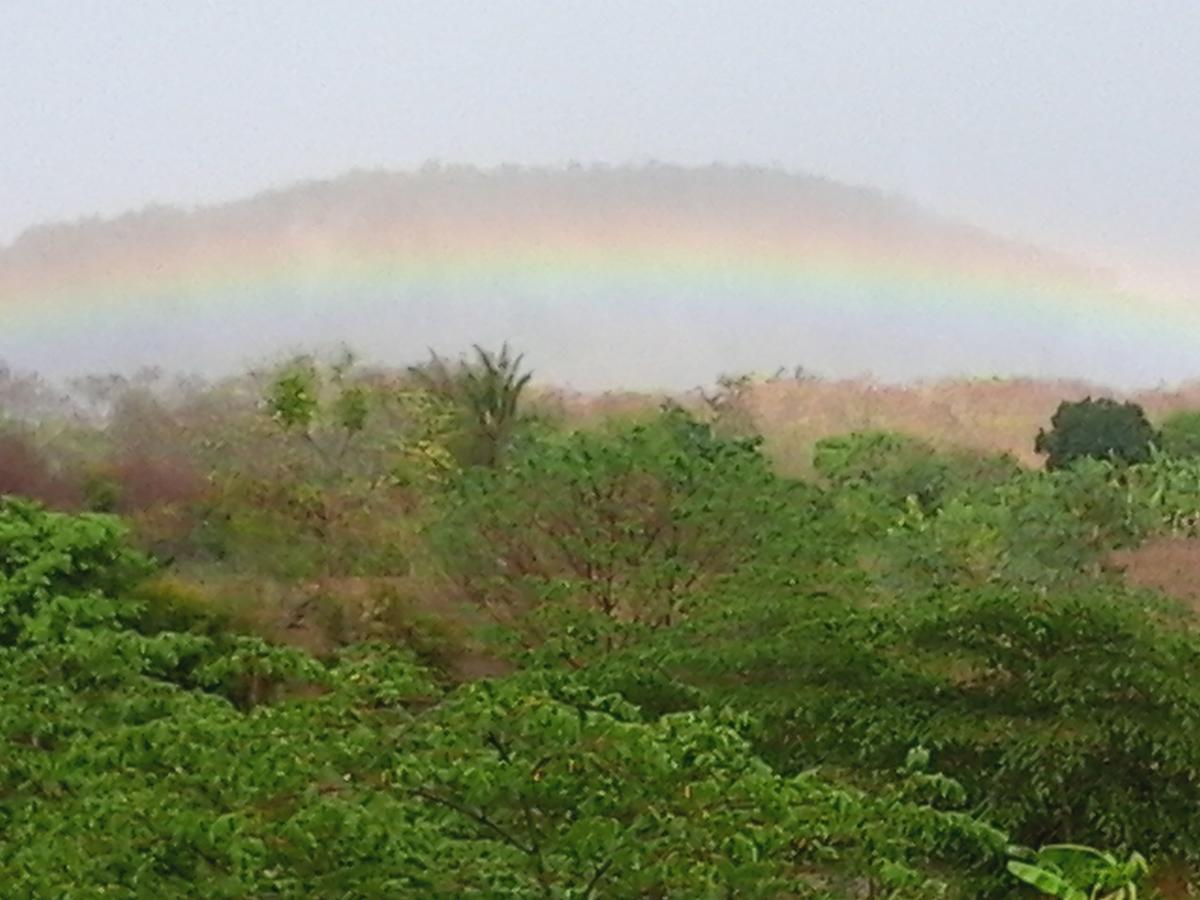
{"x":487,"y":392}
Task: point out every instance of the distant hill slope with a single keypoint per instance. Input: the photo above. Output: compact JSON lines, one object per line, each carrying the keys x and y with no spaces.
{"x":642,"y":277}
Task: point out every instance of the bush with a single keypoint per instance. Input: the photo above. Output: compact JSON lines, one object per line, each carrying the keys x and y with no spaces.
{"x":1179,"y":434}
{"x":1100,"y":429}
{"x":168,"y":604}
{"x":894,"y":466}
{"x":1036,"y":529}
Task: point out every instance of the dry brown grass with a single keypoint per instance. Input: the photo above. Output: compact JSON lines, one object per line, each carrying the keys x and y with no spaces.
{"x":322,"y":615}
{"x":1167,"y":564}
{"x":988,"y":415}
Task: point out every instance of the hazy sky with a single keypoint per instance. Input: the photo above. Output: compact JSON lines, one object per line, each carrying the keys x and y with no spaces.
{"x":1072,"y":121}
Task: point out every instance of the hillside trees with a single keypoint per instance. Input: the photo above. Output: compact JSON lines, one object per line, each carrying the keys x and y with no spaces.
{"x":26,"y":472}
{"x":138,"y":761}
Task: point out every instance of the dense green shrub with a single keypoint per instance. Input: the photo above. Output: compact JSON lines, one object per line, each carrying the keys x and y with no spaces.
{"x":895,"y":467}
{"x":1179,"y":434}
{"x":1167,"y":491}
{"x":1034,"y":529}
{"x":1100,"y":429}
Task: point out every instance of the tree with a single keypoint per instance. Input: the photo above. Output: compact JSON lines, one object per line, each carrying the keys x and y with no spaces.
{"x":622,"y":528}
{"x":325,"y":408}
{"x":487,"y":394}
{"x":1101,"y":429}
{"x":568,"y":793}
{"x":25,"y":472}
{"x":1069,"y":715}
{"x":54,"y":568}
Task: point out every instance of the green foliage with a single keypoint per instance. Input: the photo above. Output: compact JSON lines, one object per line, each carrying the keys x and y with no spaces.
{"x":1100,"y":429}
{"x":590,"y":534}
{"x":732,"y":684}
{"x":486,"y":394}
{"x":1033,"y":529}
{"x":293,"y":397}
{"x":170,"y":605}
{"x":1179,"y":434}
{"x":56,"y":569}
{"x":898,"y":467}
{"x":1075,"y":872}
{"x":1065,"y":715}
{"x":322,"y":405}
{"x":581,"y":797}
{"x":185,"y":764}
{"x":1167,"y":491}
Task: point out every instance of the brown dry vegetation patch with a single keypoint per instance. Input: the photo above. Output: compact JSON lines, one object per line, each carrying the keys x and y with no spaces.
{"x":1167,"y":564}
{"x":322,"y":615}
{"x":992,"y":415}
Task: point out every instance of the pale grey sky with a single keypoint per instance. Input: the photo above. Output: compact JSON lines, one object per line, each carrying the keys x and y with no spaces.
{"x":1076,"y":122}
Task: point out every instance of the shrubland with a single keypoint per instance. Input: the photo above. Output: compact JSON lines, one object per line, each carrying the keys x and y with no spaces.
{"x":330,"y":631}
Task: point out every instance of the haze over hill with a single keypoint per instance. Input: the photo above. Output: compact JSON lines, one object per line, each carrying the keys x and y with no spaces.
{"x":656,"y":276}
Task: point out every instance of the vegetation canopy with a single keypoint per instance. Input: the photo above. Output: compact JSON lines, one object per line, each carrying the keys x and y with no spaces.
{"x":368,"y":633}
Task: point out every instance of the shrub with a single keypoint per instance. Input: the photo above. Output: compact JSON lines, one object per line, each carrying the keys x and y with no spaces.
{"x":876,"y":475}
{"x":169,"y":604}
{"x":1100,"y":429}
{"x":1036,"y":529}
{"x":1179,"y":434}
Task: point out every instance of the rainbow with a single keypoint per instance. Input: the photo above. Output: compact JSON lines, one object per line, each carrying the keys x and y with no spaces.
{"x":775,"y":262}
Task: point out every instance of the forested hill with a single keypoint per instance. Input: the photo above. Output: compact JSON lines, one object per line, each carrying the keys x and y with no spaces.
{"x":644,"y":277}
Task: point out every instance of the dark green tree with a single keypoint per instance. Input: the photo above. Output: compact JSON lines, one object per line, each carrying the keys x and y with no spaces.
{"x":1100,"y":429}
